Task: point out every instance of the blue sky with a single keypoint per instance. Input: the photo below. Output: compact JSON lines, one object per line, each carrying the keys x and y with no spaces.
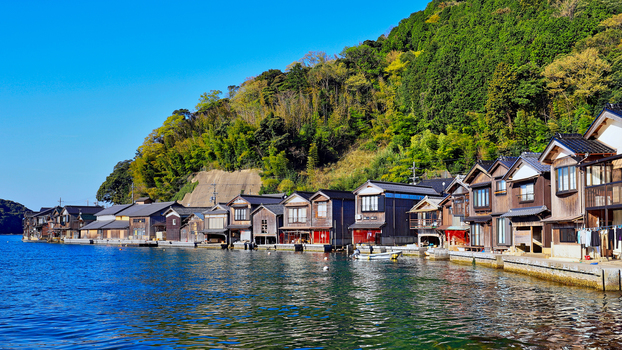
{"x":82,"y":83}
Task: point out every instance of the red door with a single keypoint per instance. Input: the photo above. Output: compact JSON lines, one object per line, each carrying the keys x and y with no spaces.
{"x":321,"y":237}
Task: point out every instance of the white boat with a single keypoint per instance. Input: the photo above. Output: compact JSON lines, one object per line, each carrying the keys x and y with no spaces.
{"x":379,"y":256}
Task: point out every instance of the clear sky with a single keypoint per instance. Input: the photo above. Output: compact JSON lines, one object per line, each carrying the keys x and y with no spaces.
{"x":82,"y":83}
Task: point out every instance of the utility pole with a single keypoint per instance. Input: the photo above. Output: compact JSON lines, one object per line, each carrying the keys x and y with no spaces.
{"x":214,"y":194}
{"x":60,"y":202}
{"x":414,"y":169}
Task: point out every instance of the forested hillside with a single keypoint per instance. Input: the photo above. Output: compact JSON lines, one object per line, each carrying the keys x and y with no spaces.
{"x":459,"y":81}
{"x":11,"y":215}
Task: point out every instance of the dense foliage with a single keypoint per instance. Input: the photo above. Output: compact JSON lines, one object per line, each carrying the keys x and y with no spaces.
{"x":459,"y":81}
{"x":118,"y":185}
{"x":11,"y":215}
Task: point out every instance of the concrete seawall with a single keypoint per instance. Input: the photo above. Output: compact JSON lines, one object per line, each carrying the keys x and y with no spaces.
{"x":576,"y":274}
{"x":494,"y":261}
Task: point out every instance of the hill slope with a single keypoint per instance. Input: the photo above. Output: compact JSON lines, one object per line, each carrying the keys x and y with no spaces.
{"x":458,"y":81}
{"x":11,"y":215}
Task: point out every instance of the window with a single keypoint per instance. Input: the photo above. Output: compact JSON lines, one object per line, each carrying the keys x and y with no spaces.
{"x":526,"y":192}
{"x":567,"y":235}
{"x":566,"y":178}
{"x":240,"y":214}
{"x":297,"y":215}
{"x":174,"y":222}
{"x":215,"y":223}
{"x":476,"y":233}
{"x":598,"y":175}
{"x":501,"y":231}
{"x":481,"y":197}
{"x":369,"y":203}
{"x":501,"y":187}
{"x":321,"y":209}
{"x":264,"y":226}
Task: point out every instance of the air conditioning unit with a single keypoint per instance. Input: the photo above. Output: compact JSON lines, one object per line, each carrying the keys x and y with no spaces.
{"x":359,"y":217}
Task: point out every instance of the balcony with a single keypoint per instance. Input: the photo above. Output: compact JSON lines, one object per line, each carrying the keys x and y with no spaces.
{"x":603,"y":195}
{"x":424,"y":223}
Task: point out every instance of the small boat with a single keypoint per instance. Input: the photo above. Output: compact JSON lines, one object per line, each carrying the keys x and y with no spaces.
{"x":379,"y":256}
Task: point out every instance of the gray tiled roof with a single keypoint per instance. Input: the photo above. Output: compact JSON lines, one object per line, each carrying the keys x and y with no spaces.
{"x":187,"y":211}
{"x":579,"y":145}
{"x":96,"y":225}
{"x":532,"y":159}
{"x":146,"y":209}
{"x":486,"y":164}
{"x":525,"y":211}
{"x":275,"y":208}
{"x":405,"y":188}
{"x":114,"y":209}
{"x":507,"y":161}
{"x":77,"y":209}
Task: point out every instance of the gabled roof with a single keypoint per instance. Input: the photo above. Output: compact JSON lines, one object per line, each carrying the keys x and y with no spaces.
{"x":113,"y":209}
{"x":434,"y":202}
{"x":46,"y":211}
{"x":276,"y":209}
{"x":186,"y":211}
{"x":479,"y":166}
{"x":610,"y":111}
{"x":503,"y":161}
{"x":575,"y":145}
{"x":147,"y":209}
{"x":87,"y":217}
{"x":530,"y":159}
{"x":400,"y":188}
{"x":334,"y":194}
{"x":438,"y":185}
{"x":458,"y":181}
{"x":77,"y":209}
{"x":302,"y":194}
{"x":256,"y":199}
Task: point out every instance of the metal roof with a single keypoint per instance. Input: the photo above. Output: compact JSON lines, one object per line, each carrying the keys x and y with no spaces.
{"x":95,"y":225}
{"x":256,"y":200}
{"x":525,"y":211}
{"x":117,"y":224}
{"x":187,"y":211}
{"x":84,"y":209}
{"x":277,"y":209}
{"x":366,"y":225}
{"x":403,"y":188}
{"x":335,"y":194}
{"x":479,"y":219}
{"x":438,"y":185}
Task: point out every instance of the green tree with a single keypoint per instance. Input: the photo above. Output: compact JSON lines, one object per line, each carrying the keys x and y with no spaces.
{"x":117,"y":187}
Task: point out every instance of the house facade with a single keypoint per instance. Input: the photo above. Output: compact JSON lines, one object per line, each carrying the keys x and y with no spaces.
{"x":455,"y":208}
{"x":530,"y":202}
{"x":267,"y":219}
{"x":215,"y":222}
{"x":426,"y":219}
{"x":240,"y":209}
{"x":332,"y":212}
{"x":297,"y":218}
{"x":500,"y":200}
{"x":381,"y":216}
{"x":479,"y":205}
{"x":176,"y":218}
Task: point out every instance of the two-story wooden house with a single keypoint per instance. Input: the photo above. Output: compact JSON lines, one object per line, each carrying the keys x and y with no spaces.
{"x":480,"y":205}
{"x":176,"y":218}
{"x":530,"y":195}
{"x":563,"y":154}
{"x":426,"y":218}
{"x":603,"y":178}
{"x":455,"y":207}
{"x":267,"y":219}
{"x":331,"y":213}
{"x":215,"y":222}
{"x":500,"y":204}
{"x":240,"y":209}
{"x":297,"y":218}
{"x":382,"y":212}
{"x":69,"y":220}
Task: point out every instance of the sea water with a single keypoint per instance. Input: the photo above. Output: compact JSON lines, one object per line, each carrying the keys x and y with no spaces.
{"x":87,"y":296}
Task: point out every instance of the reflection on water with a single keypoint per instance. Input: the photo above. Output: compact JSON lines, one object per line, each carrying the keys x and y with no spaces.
{"x":62,"y":296}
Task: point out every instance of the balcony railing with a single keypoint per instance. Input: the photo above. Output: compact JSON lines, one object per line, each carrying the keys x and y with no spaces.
{"x":424,"y":223}
{"x":603,"y":195}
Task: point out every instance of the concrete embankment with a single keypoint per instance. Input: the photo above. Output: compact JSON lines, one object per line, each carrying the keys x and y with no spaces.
{"x":586,"y":274}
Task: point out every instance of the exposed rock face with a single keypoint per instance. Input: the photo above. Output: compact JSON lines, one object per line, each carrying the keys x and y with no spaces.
{"x":228,"y":185}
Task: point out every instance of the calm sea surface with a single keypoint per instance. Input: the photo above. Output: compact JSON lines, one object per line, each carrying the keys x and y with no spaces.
{"x":69,"y":296}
